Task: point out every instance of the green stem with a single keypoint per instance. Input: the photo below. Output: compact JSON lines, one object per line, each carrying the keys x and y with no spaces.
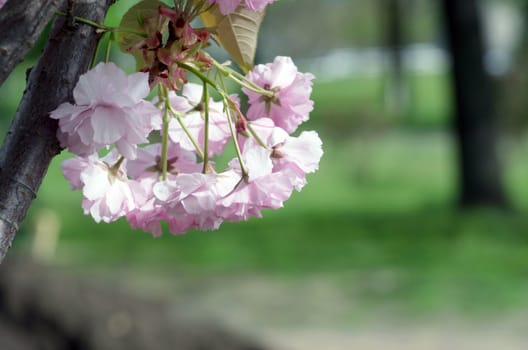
{"x":256,"y":137}
{"x":85,"y":21}
{"x":109,"y":47}
{"x":234,"y":137}
{"x":205,"y":100}
{"x":177,"y":115}
{"x":102,"y":26}
{"x":242,"y":80}
{"x":204,"y":78}
{"x":249,"y":127}
{"x":165,"y":137}
{"x":94,"y":57}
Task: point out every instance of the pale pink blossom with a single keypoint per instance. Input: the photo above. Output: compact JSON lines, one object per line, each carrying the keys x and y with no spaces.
{"x":190,"y":200}
{"x":109,"y":110}
{"x":106,"y":190}
{"x":261,"y":189}
{"x":193,"y":117}
{"x":148,"y":213}
{"x":2,"y":3}
{"x":257,"y":5}
{"x":300,"y":154}
{"x":146,"y":169}
{"x":229,"y":6}
{"x":248,"y":198}
{"x":305,"y":151}
{"x":290,"y":104}
{"x":148,"y":218}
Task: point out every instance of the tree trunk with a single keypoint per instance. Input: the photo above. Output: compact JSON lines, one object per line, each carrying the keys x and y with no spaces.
{"x":21,"y":23}
{"x":396,"y":89}
{"x":31,"y":141}
{"x":480,"y":178}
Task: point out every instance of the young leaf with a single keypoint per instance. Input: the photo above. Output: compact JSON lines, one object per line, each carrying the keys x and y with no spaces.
{"x":237,"y":33}
{"x":135,"y":21}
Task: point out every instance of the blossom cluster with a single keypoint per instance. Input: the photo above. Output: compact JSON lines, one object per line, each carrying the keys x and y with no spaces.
{"x":154,"y":161}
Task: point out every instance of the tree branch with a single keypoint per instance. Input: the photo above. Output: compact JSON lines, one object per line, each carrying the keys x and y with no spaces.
{"x":31,"y":141}
{"x":21,"y":23}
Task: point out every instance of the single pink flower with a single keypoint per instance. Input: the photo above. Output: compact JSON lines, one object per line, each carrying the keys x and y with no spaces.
{"x":247,"y":199}
{"x":109,"y":110}
{"x":190,"y":199}
{"x":300,"y":155}
{"x":261,"y":189}
{"x":149,"y":212}
{"x":106,"y":190}
{"x":290,"y":104}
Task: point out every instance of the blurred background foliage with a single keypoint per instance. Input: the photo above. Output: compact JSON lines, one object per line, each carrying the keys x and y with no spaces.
{"x":378,"y":224}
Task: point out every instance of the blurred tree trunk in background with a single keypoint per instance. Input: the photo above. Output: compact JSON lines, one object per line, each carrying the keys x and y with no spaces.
{"x":480,"y":178}
{"x":396,"y":89}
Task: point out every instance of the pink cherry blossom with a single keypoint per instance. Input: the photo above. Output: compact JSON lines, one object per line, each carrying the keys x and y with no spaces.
{"x":191,"y":200}
{"x":2,"y":3}
{"x":109,"y":110}
{"x":248,"y":199}
{"x":106,"y":190}
{"x":148,"y":213}
{"x":193,"y":118}
{"x":300,"y":154}
{"x":229,"y":6}
{"x":260,"y":190}
{"x":257,"y":5}
{"x":290,"y":104}
{"x":226,"y":6}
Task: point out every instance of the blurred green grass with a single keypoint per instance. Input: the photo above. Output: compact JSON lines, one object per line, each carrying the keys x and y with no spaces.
{"x":380,"y":215}
{"x":379,"y":218}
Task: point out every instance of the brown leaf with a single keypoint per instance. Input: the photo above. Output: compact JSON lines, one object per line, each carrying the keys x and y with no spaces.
{"x":237,"y":33}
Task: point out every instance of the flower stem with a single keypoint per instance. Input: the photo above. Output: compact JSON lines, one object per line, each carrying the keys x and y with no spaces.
{"x":204,"y":78}
{"x":109,"y":47}
{"x":205,"y":100}
{"x":102,"y":27}
{"x":165,"y":137}
{"x":241,"y":79}
{"x":249,"y":127}
{"x":85,"y":21}
{"x":177,"y":115}
{"x":234,"y":137}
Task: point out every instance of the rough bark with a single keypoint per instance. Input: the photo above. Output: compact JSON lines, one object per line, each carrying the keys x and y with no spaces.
{"x":21,"y":24}
{"x":480,"y":180}
{"x":31,"y":142}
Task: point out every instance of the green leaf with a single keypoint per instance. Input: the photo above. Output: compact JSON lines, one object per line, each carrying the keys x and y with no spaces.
{"x":237,"y":33}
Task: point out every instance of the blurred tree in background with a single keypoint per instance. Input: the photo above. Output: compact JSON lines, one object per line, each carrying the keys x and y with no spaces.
{"x":475,"y":114}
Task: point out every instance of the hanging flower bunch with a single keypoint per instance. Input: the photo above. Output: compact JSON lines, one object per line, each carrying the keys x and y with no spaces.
{"x":153,"y":161}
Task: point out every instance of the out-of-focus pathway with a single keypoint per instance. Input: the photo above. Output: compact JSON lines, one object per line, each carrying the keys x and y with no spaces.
{"x":410,"y":338}
{"x":314,"y":314}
